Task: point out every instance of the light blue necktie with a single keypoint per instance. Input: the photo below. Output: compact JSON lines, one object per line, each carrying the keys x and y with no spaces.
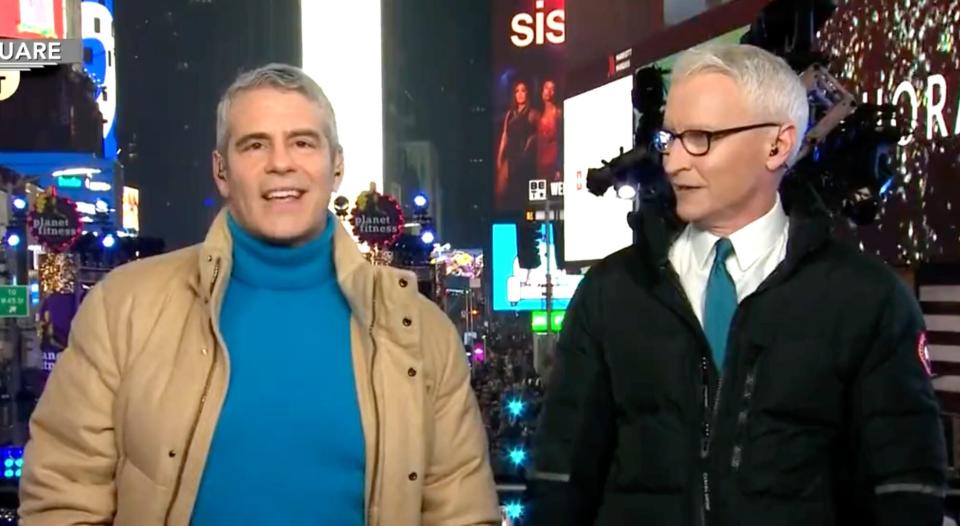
{"x":720,"y":303}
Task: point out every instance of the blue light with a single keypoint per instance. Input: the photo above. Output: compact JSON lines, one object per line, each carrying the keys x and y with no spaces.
{"x":515,"y":407}
{"x":8,"y":473}
{"x":8,"y":463}
{"x":13,"y":240}
{"x":18,"y":473}
{"x":514,"y":510}
{"x":428,"y":237}
{"x":886,"y":187}
{"x":518,"y":456}
{"x":20,"y":203}
{"x":19,"y":462}
{"x":420,"y":200}
{"x":108,"y":241}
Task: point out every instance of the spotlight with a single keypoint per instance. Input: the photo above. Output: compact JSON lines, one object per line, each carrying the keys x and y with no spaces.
{"x":20,"y":203}
{"x":428,"y":237}
{"x":627,"y":191}
{"x":420,"y":200}
{"x":13,"y":240}
{"x":108,"y":241}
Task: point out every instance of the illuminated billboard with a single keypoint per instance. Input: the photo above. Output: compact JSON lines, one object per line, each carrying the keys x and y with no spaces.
{"x":99,"y":61}
{"x":342,"y":53}
{"x":31,"y":19}
{"x":131,"y":209}
{"x":528,"y":46}
{"x":599,"y":123}
{"x":907,"y":54}
{"x":519,"y":289}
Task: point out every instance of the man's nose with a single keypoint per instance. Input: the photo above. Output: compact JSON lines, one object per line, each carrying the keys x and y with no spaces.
{"x":280,"y":159}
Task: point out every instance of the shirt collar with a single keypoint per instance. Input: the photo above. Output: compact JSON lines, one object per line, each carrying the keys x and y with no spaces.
{"x":749,"y":243}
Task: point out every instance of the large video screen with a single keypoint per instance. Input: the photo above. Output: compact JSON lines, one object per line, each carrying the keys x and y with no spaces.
{"x":340,"y":36}
{"x":519,"y":289}
{"x":908,"y":54}
{"x":528,"y":47}
{"x":599,"y":124}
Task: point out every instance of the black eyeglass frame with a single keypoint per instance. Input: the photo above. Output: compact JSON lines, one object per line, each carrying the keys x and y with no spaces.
{"x":662,"y":144}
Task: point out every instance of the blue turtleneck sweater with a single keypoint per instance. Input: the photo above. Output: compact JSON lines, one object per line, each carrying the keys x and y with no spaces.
{"x":288,"y":447}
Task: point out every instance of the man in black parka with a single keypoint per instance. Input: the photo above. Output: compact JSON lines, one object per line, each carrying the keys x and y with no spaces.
{"x":738,"y":366}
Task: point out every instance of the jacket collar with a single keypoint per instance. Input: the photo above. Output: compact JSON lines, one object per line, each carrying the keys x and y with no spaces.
{"x":656,"y":227}
{"x":354,"y":274}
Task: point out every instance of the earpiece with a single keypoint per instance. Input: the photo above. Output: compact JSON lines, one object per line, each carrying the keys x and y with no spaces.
{"x":774,"y":151}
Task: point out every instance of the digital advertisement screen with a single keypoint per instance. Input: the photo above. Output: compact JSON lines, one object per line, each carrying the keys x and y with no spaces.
{"x":599,"y":123}
{"x":31,"y":19}
{"x":131,"y":209}
{"x":528,"y":46}
{"x":341,"y":36}
{"x":908,"y":54}
{"x":99,"y":61}
{"x":519,"y":289}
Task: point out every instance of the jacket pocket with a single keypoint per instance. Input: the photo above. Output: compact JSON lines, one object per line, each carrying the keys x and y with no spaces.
{"x":786,"y":464}
{"x":788,"y":421}
{"x":139,"y":499}
{"x":650,"y":457}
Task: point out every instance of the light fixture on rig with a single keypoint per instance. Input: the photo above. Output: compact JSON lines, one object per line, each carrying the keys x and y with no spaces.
{"x":638,"y":172}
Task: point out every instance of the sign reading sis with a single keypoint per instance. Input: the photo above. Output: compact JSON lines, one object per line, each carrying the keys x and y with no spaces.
{"x":539,"y":27}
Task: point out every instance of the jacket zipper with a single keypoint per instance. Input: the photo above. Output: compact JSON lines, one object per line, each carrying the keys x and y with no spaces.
{"x":375,"y":484}
{"x":203,"y":401}
{"x":708,"y":425}
{"x":710,"y":411}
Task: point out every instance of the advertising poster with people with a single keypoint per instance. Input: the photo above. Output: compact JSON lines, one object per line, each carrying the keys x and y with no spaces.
{"x":528,"y":44}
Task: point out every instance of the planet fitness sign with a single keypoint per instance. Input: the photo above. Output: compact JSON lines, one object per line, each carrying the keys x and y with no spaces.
{"x":377,"y":219}
{"x":55,"y":222}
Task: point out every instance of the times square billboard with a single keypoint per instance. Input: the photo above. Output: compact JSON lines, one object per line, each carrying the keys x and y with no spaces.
{"x":528,"y":47}
{"x":31,"y":19}
{"x":907,"y":54}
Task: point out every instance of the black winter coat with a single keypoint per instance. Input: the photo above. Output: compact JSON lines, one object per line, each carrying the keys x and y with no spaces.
{"x":824,"y":414}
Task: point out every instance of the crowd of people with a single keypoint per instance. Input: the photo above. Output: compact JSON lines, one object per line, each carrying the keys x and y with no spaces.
{"x":506,"y":374}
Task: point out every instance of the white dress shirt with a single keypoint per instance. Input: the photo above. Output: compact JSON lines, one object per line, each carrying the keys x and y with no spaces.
{"x":758,"y":248}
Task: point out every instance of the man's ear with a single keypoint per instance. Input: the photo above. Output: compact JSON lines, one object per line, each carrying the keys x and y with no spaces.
{"x":781,"y":148}
{"x":219,"y":165}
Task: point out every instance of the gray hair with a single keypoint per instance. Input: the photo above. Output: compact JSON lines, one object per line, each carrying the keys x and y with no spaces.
{"x":282,"y":77}
{"x":773,"y":89}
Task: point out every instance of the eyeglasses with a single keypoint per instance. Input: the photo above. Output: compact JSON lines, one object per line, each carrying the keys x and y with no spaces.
{"x":698,"y":142}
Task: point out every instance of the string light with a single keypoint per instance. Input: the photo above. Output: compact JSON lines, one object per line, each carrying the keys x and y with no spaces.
{"x":58,"y":274}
